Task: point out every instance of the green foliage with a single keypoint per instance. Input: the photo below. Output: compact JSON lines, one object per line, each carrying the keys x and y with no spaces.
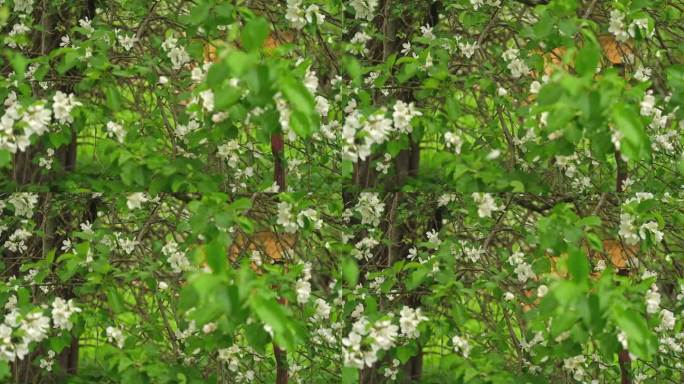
{"x":223,"y":192}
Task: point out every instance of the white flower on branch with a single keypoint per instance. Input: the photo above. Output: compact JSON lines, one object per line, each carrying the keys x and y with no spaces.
{"x":486,"y":204}
{"x":115,"y":335}
{"x":461,"y":345}
{"x":62,"y":310}
{"x":409,"y":320}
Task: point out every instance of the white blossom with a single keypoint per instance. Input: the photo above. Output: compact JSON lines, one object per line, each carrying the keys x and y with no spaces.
{"x":322,"y":310}
{"x":542,"y":290}
{"x":23,"y":6}
{"x":627,"y":230}
{"x":286,"y":218}
{"x":384,"y":335}
{"x":303,"y":288}
{"x":127,"y":41}
{"x":115,"y":335}
{"x":652,"y":300}
{"x":403,"y":114}
{"x":284,"y":113}
{"x":37,"y":118}
{"x":311,"y":81}
{"x":86,"y":24}
{"x":622,"y":339}
{"x":486,"y":204}
{"x":364,"y":9}
{"x":667,"y":321}
{"x":209,"y":328}
{"x":370,"y":207}
{"x":409,"y":321}
{"x":35,"y":327}
{"x":176,"y":53}
{"x":62,"y":310}
{"x":575,"y":365}
{"x":617,"y":25}
{"x":207,"y":97}
{"x":468,"y":49}
{"x":461,"y":345}
{"x":426,"y":31}
{"x":648,"y":104}
{"x":47,"y":363}
{"x":116,"y":130}
{"x":652,"y":227}
{"x":642,"y":73}
{"x":177,"y":259}
{"x":453,"y":141}
{"x":135,"y":200}
{"x":23,"y":203}
{"x":46,"y":162}
{"x":295,"y":14}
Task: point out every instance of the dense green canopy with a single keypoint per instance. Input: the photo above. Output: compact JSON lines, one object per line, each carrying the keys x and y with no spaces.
{"x":317,"y":191}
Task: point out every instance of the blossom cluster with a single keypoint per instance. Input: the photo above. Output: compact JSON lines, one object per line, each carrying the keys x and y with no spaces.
{"x":367,"y":339}
{"x":21,"y":330}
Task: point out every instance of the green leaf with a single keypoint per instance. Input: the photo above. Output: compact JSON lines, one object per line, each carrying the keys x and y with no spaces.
{"x":216,"y":255}
{"x":578,"y":265}
{"x":297,"y":95}
{"x":70,"y":59}
{"x":200,"y":13}
{"x":543,"y":27}
{"x":115,"y":301}
{"x":4,"y":369}
{"x":302,"y":104}
{"x":5,"y":157}
{"x":608,"y":345}
{"x":113,"y":98}
{"x":350,"y":271}
{"x":239,"y":62}
{"x":19,"y":63}
{"x":272,"y":313}
{"x":254,"y":33}
{"x":408,"y":71}
{"x":589,"y":221}
{"x":69,"y":269}
{"x":417,"y":278}
{"x":587,"y":59}
{"x":58,"y":343}
{"x":453,"y":108}
{"x":224,"y":13}
{"x":404,"y":353}
{"x":217,"y":75}
{"x":354,"y":69}
{"x":549,"y":94}
{"x":204,"y":285}
{"x":300,"y":124}
{"x":640,"y":340}
{"x":256,"y":336}
{"x":241,"y":204}
{"x":627,"y":120}
{"x":226,"y":97}
{"x":594,"y":241}
{"x":350,"y":375}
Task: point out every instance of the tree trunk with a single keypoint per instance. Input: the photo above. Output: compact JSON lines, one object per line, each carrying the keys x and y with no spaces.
{"x":278,"y":150}
{"x":24,"y":172}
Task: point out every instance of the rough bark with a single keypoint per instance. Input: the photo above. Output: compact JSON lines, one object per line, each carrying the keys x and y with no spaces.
{"x":278,"y":151}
